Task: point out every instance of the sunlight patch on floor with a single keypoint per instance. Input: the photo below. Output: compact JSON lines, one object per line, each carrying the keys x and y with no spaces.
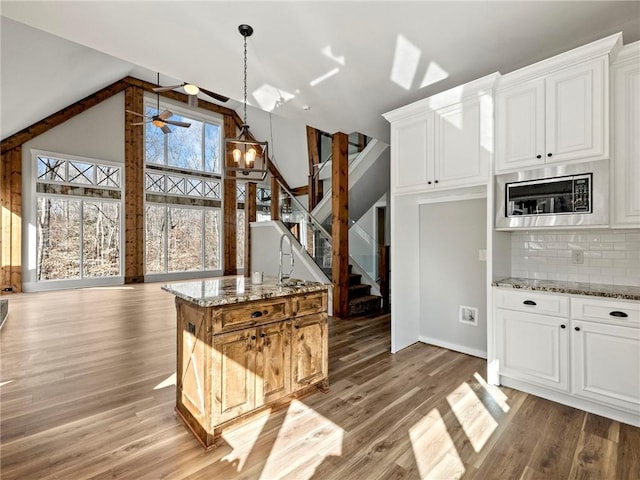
{"x":304,"y":440}
{"x":433,"y":449}
{"x":496,"y":394}
{"x":167,"y":382}
{"x":243,"y":439}
{"x":2,"y":384}
{"x":473,"y":416}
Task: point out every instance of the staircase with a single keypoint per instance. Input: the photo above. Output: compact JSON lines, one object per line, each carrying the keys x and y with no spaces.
{"x":361,"y":301}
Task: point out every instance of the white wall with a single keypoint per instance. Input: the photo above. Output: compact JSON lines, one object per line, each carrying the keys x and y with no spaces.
{"x":451,"y":274}
{"x":97,"y":133}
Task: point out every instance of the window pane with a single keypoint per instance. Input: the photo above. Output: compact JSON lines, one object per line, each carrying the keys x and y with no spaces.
{"x":212,"y":189}
{"x":212,"y":239}
{"x":185,"y":239}
{"x":155,"y":235}
{"x":154,"y":182}
{"x":184,"y":145}
{"x":240,"y":238}
{"x":153,"y":140}
{"x":212,"y":148}
{"x":51,"y":169}
{"x":58,"y":238}
{"x":101,"y":239}
{"x":175,"y":185}
{"x":108,"y":176}
{"x":81,"y":173}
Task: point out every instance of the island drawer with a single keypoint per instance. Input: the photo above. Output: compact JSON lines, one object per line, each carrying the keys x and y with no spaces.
{"x":309,"y":303}
{"x":234,"y":317}
{"x":611,"y":311}
{"x":527,"y":301}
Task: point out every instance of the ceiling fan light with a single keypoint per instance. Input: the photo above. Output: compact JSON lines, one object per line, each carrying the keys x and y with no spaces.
{"x":191,"y":89}
{"x":158,"y":123}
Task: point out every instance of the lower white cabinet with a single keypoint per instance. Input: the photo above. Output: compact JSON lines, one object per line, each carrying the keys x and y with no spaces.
{"x":606,"y":363}
{"x":532,"y":347}
{"x":586,"y":353}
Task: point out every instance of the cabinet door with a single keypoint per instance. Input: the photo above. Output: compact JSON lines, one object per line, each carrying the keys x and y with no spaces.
{"x":533,"y":348}
{"x":520,"y":126}
{"x":309,"y":350}
{"x":575,"y":127}
{"x":412,"y":151}
{"x":234,"y":357}
{"x":626,"y":155}
{"x":606,"y":363}
{"x":460,"y":156}
{"x":273,"y":362}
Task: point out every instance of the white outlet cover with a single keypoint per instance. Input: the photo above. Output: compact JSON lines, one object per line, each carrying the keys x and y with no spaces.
{"x":482,"y":255}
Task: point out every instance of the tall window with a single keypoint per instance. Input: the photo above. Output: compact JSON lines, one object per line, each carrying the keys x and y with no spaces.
{"x":183,"y":192}
{"x":78,"y":218}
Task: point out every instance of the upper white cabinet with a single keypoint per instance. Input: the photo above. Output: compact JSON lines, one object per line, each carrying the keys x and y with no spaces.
{"x":444,"y":141}
{"x":625,"y":175}
{"x":556,"y":110}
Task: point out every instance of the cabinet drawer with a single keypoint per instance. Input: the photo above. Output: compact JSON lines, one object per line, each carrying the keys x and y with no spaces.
{"x":528,"y":301}
{"x":310,"y":303}
{"x":249,"y":314}
{"x":613,"y":312}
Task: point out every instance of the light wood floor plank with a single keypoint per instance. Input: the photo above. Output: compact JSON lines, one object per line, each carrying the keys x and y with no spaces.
{"x":85,"y":395}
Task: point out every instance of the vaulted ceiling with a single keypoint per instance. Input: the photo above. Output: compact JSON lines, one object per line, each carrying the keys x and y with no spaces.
{"x":336,"y":65}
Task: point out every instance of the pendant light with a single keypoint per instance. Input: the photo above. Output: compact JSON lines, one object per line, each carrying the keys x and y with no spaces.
{"x":250,"y":156}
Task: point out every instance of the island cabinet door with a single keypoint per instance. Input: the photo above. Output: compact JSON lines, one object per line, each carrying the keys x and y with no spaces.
{"x":309,"y":350}
{"x":233,"y":374}
{"x":193,"y":355}
{"x":273,"y":362}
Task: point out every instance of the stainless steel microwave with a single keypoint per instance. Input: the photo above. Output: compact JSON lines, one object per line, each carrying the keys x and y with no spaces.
{"x":564,"y":195}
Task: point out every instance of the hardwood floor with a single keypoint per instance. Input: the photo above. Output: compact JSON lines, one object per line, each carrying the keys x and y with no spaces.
{"x":87,"y":392}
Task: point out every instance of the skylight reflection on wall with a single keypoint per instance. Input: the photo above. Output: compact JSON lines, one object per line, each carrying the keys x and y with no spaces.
{"x":323,"y":77}
{"x":405,"y":62}
{"x":434,"y":74}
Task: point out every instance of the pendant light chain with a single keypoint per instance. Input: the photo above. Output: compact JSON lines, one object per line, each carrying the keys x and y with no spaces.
{"x":245,"y":81}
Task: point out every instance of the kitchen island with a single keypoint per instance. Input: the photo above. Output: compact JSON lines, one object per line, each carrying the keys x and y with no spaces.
{"x":244,"y":348}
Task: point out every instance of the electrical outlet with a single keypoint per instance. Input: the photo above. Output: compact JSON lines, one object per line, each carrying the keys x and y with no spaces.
{"x":577,"y":256}
{"x":482,"y":255}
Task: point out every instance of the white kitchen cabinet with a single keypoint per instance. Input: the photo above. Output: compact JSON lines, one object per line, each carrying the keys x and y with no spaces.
{"x":532,"y":337}
{"x":556,"y":110}
{"x":461,"y":157}
{"x":560,"y":117}
{"x":605,"y":349}
{"x":606,"y":363}
{"x":444,"y":141}
{"x":625,"y":175}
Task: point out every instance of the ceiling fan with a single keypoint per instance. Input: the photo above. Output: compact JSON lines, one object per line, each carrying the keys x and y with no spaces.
{"x":192,"y":91}
{"x":160,"y":119}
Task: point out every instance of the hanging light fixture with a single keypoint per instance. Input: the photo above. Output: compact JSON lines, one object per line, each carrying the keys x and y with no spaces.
{"x":250,"y":156}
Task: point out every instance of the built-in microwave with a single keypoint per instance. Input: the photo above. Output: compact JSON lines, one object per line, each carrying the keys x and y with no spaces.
{"x":565,"y":195}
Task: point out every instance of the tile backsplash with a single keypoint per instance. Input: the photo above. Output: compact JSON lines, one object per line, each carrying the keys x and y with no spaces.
{"x":610,"y":257}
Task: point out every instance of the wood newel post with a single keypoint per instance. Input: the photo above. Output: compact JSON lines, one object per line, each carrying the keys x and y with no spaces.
{"x":134,"y":188}
{"x":229,"y":205}
{"x":275,"y":199}
{"x":340,"y":224}
{"x":249,"y":216}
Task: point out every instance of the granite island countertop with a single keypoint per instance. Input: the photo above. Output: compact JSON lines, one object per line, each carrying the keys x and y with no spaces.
{"x":623,"y":292}
{"x":238,"y":289}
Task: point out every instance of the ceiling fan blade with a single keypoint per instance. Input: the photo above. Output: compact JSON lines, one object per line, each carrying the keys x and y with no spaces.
{"x":192,"y":100}
{"x":166,"y":89}
{"x":214,"y":95}
{"x":165,"y":129}
{"x":177,"y":123}
{"x":134,"y":113}
{"x":165,"y":114}
{"x":140,"y":123}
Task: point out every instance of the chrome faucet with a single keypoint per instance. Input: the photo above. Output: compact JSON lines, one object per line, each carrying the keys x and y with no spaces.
{"x":281,"y":275}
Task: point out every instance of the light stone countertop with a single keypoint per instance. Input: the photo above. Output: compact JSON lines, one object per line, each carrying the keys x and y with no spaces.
{"x":623,"y":292}
{"x":238,"y":289}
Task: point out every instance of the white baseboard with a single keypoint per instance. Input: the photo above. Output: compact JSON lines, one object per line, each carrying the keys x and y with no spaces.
{"x":453,"y":346}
